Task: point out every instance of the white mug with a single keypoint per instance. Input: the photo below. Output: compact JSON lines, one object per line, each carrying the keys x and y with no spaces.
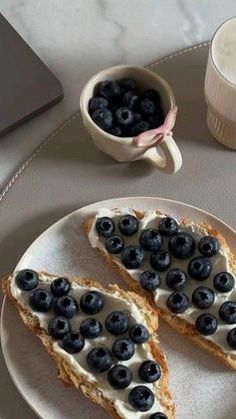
{"x":126,"y":149}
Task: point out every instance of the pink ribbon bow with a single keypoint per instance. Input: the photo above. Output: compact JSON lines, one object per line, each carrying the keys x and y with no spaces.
{"x":154,"y":137}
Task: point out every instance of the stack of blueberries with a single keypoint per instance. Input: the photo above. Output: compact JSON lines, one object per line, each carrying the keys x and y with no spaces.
{"x":121,"y":109}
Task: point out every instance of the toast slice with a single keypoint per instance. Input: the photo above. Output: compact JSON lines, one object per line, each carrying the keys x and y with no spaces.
{"x":82,"y":374}
{"x":183,"y":320}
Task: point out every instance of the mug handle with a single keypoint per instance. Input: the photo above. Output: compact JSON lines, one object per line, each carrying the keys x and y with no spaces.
{"x":171,"y":161}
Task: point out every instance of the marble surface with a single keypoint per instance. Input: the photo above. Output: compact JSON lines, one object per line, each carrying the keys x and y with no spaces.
{"x":77,"y":38}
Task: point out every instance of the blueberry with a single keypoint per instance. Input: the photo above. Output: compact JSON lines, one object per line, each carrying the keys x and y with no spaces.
{"x":60,"y":287}
{"x":73,"y":342}
{"x":206,"y":324}
{"x":182,"y":245}
{"x":66,"y":306}
{"x":41,"y":300}
{"x":124,"y":116}
{"x":141,"y":398}
{"x":99,"y":360}
{"x":128,"y":225}
{"x":139,"y":333}
{"x":27,"y":279}
{"x":116,"y":131}
{"x":97,"y":102}
{"x":177,"y":302}
{"x":153,"y":95}
{"x":131,"y":100}
{"x":231,"y":338}
{"x":132,"y":257}
{"x":127,"y":84}
{"x":200,"y":268}
{"x":160,"y":261}
{"x":149,"y":371}
{"x":150,"y":281}
{"x":109,"y":89}
{"x":224,"y":282}
{"x":203,"y":297}
{"x":138,"y":128}
{"x":158,"y":415}
{"x":168,"y":226}
{"x":147,"y":106}
{"x":156,"y":120}
{"x":117,"y":322}
{"x":90,"y":328}
{"x":137,"y":117}
{"x":151,"y":240}
{"x":92,"y":302}
{"x":103,"y":118}
{"x":119,"y":377}
{"x":123,"y":349}
{"x":114,"y":244}
{"x":58,"y":327}
{"x":208,"y":246}
{"x":176,"y":279}
{"x":227,"y":312}
{"x":105,"y":226}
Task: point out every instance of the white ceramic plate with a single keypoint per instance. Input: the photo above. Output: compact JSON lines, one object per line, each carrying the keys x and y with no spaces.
{"x":202,"y":387}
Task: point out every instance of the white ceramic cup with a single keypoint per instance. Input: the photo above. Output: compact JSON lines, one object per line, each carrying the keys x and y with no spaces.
{"x":124,"y":149}
{"x":220,"y":85}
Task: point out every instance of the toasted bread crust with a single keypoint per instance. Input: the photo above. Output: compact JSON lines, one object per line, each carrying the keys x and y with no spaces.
{"x":69,"y":377}
{"x":180,"y":325}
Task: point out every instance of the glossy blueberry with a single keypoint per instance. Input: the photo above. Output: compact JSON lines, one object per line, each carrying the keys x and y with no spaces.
{"x":160,"y":261}
{"x":105,"y":226}
{"x":40,"y":300}
{"x":58,"y":327}
{"x":131,"y":100}
{"x":60,"y":287}
{"x":124,"y":116}
{"x":117,"y":322}
{"x":182,"y":245}
{"x":150,"y":281}
{"x":66,"y":306}
{"x":73,"y":342}
{"x":149,"y":371}
{"x":168,"y":226}
{"x":176,"y":279}
{"x":156,"y":120}
{"x":123,"y":349}
{"x":90,"y":328}
{"x":127,"y":84}
{"x":200,"y":268}
{"x":147,"y":106}
{"x":139,"y":333}
{"x":114,"y":244}
{"x":153,"y":95}
{"x":119,"y":377}
{"x":128,"y":225}
{"x":224,"y":282}
{"x":139,"y":127}
{"x":208,"y":246}
{"x":231,"y":338}
{"x":203,"y":297}
{"x":132,"y":257}
{"x":141,"y":398}
{"x":27,"y":279}
{"x":206,"y":324}
{"x":109,"y":89}
{"x":158,"y":415}
{"x":97,"y":102}
{"x":177,"y":302}
{"x":116,"y":130}
{"x":103,"y":118}
{"x":99,"y":359}
{"x":227,"y":312}
{"x":92,"y":302}
{"x":151,"y":240}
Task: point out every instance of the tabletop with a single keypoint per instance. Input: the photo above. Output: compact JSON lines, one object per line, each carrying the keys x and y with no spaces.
{"x":78,"y":38}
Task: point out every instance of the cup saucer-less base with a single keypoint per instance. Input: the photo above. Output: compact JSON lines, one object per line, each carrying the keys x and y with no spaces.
{"x":201,"y":385}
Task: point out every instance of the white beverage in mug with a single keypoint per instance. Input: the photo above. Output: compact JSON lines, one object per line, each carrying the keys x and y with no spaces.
{"x":220,"y":85}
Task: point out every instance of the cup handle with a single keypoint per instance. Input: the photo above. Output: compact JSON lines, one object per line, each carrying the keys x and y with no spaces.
{"x":171,"y":161}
